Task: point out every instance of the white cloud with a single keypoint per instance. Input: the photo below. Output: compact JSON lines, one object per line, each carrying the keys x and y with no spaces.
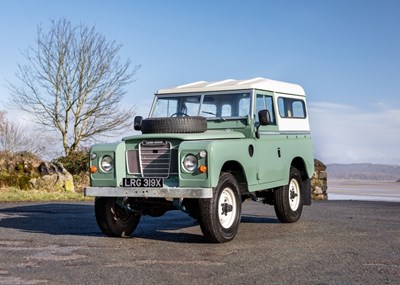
{"x":346,"y":134}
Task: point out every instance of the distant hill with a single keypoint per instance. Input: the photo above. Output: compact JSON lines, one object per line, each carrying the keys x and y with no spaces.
{"x":364,"y":171}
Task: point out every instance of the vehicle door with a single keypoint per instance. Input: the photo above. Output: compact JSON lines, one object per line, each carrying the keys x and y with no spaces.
{"x":267,"y":150}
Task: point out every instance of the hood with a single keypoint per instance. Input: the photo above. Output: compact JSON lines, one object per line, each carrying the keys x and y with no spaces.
{"x":207,"y":135}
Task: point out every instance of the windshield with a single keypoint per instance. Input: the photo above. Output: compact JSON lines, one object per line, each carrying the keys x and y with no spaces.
{"x":211,"y":106}
{"x":176,"y":106}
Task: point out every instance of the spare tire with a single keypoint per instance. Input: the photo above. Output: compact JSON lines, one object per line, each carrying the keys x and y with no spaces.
{"x":195,"y":124}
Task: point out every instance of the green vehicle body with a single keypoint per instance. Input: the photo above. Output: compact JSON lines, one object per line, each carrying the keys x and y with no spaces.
{"x":259,"y":156}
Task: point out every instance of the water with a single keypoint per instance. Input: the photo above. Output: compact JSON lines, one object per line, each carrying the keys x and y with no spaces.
{"x":364,"y":190}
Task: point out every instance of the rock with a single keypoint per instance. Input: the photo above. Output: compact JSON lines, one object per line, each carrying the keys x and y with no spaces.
{"x":323,"y":175}
{"x":318,"y":190}
{"x":319,"y":184}
{"x":321,"y":197}
{"x":319,"y":166}
{"x":53,"y":178}
{"x":47,"y":168}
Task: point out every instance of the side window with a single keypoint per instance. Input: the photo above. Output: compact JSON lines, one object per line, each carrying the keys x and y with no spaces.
{"x":291,"y":108}
{"x":265,"y":102}
{"x":298,"y":109}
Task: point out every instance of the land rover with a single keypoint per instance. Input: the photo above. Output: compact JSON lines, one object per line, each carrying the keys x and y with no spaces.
{"x":205,"y":148}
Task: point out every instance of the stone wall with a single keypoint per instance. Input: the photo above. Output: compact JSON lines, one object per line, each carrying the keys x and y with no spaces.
{"x":26,"y":171}
{"x":319,"y":182}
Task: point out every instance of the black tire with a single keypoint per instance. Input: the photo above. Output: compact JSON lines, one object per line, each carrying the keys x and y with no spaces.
{"x":195,"y":124}
{"x":220,"y":215}
{"x":288,"y":201}
{"x":192,"y":207}
{"x":113,"y":220}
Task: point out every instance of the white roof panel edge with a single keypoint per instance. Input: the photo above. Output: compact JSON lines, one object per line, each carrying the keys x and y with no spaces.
{"x":231,"y":84}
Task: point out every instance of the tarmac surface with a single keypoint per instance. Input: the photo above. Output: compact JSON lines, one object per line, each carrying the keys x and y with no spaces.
{"x":335,"y":242}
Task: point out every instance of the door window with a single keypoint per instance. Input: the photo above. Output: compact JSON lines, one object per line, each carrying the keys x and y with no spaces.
{"x":265,"y":102}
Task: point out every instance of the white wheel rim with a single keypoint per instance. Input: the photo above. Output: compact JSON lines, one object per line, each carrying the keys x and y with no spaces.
{"x":227,"y":199}
{"x":294,"y":194}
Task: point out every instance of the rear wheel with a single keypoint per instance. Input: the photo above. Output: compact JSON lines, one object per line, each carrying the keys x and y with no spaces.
{"x":220,"y":215}
{"x":113,"y":219}
{"x":288,"y":202}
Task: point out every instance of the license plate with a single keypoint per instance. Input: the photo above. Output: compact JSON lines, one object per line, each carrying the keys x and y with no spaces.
{"x":143,"y":182}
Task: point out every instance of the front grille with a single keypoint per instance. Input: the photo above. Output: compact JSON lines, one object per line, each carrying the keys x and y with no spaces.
{"x":155,"y":158}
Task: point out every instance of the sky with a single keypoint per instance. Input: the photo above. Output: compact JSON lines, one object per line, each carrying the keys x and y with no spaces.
{"x":345,"y":54}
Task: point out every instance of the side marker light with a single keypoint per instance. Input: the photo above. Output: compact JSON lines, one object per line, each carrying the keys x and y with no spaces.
{"x":203,"y":168}
{"x":93,"y":169}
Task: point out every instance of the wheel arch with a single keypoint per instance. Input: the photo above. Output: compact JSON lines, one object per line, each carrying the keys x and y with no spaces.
{"x":237,"y":170}
{"x":301,"y":166}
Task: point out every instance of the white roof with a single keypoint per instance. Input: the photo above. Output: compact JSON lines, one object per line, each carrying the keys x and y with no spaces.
{"x":232,"y":84}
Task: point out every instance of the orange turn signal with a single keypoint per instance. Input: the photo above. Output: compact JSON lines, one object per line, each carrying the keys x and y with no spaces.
{"x":93,"y":169}
{"x":203,"y":168}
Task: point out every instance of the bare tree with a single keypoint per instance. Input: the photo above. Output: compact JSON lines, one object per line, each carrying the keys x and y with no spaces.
{"x":15,"y":138}
{"x":11,"y":135}
{"x":73,"y":83}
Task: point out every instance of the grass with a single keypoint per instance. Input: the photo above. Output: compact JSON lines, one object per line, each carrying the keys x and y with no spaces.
{"x":13,"y":194}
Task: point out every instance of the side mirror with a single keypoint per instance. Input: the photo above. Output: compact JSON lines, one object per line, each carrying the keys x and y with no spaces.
{"x":264,"y":118}
{"x":137,"y":123}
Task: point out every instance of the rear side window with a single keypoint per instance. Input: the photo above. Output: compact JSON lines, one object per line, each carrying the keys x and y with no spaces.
{"x":291,"y":108}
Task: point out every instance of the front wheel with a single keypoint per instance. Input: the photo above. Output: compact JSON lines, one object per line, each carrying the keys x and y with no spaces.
{"x":113,"y":219}
{"x":288,"y":202}
{"x":220,"y":215}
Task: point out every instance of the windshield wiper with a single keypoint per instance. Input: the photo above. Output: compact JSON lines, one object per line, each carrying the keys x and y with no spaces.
{"x":211,"y":113}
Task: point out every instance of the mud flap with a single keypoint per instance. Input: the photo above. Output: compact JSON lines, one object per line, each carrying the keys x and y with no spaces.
{"x":306,"y":193}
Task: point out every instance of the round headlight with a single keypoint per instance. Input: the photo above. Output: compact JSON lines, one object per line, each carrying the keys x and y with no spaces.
{"x":107,"y":163}
{"x":190,"y":163}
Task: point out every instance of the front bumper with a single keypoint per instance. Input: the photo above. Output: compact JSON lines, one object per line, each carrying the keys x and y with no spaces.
{"x":166,"y":192}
